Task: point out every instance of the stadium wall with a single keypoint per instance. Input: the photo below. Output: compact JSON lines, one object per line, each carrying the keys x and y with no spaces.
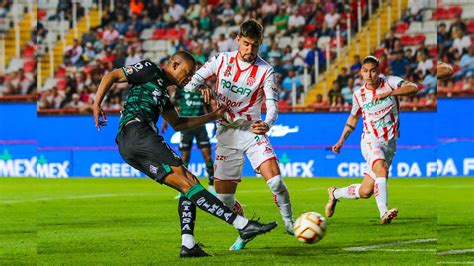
{"x":431,"y":144}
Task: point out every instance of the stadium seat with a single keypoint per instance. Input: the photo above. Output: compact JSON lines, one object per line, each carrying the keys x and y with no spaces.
{"x":323,"y":41}
{"x":29,"y":66}
{"x":470,"y":26}
{"x":146,"y":34}
{"x":310,"y":41}
{"x":159,"y":34}
{"x":333,"y":42}
{"x":172,"y":34}
{"x":433,"y":52}
{"x":284,"y":41}
{"x":28,"y":51}
{"x":41,"y":13}
{"x":61,"y":84}
{"x":407,"y":40}
{"x":379,"y":52}
{"x":401,"y":28}
{"x":454,"y":11}
{"x":440,"y":13}
{"x":61,"y":72}
{"x":270,"y":29}
{"x":310,"y":28}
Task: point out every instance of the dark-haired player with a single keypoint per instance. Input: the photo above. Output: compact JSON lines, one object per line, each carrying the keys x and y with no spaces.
{"x":378,"y":104}
{"x":143,"y":148}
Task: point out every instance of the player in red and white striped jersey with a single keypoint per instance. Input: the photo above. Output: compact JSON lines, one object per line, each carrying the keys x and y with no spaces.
{"x":244,"y":82}
{"x":378,"y":104}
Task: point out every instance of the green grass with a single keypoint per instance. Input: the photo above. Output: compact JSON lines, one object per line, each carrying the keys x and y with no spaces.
{"x":134,"y":221}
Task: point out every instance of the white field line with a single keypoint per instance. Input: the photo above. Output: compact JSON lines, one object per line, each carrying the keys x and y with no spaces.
{"x":391,"y":244}
{"x":455,"y":262}
{"x":456,"y":251}
{"x":431,"y":250}
{"x":75,"y":197}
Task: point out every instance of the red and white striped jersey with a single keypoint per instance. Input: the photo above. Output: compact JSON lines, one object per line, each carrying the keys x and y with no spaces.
{"x":242,"y":90}
{"x":380,"y":118}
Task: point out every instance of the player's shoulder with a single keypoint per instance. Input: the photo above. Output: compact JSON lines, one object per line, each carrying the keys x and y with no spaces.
{"x":393,"y":81}
{"x":262,"y":63}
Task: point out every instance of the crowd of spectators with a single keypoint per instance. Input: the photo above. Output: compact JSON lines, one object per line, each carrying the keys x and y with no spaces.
{"x":117,"y":41}
{"x":414,"y":63}
{"x":455,"y":47}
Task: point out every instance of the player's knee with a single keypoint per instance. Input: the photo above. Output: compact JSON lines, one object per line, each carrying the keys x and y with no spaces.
{"x":276,"y":184}
{"x":380,"y":168}
{"x":365,"y":193}
{"x":227,"y":199}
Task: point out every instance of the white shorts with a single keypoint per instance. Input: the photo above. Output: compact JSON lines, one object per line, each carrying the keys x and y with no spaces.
{"x":374,"y":150}
{"x":232,"y":144}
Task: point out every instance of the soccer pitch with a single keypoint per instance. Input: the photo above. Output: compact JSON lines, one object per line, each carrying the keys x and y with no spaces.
{"x":134,"y":221}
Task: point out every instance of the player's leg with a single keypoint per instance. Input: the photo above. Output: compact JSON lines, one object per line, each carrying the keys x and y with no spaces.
{"x":264,"y":161}
{"x":146,"y":151}
{"x":204,"y":145}
{"x":207,"y":156}
{"x":270,"y":171}
{"x":228,"y":169}
{"x":380,"y":168}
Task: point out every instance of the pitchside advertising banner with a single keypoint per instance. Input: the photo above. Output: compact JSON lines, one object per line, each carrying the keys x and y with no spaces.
{"x":432,"y":144}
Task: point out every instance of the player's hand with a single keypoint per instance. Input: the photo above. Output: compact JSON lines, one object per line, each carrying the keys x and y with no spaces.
{"x":259,"y":127}
{"x":381,"y":96}
{"x":220,"y":111}
{"x":99,"y":117}
{"x":337,"y":148}
{"x":206,"y":93}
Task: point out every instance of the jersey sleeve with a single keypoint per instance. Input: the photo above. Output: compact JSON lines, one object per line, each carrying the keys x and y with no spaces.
{"x":141,"y":72}
{"x":355,"y":105}
{"x":204,"y":73}
{"x":394,"y":82}
{"x":271,"y":98}
{"x":168,"y":106}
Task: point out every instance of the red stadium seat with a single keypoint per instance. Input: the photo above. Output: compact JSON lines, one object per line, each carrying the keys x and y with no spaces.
{"x":454,"y":10}
{"x":379,"y":52}
{"x":433,"y":52}
{"x":29,"y":66}
{"x":333,"y":43}
{"x":61,"y":72}
{"x":310,"y":41}
{"x":159,"y":34}
{"x":470,"y":26}
{"x":309,"y":29}
{"x":29,"y":51}
{"x":419,"y":38}
{"x":401,"y":28}
{"x":41,"y":13}
{"x":440,"y":13}
{"x":61,"y":85}
{"x":407,"y":40}
{"x":172,"y":34}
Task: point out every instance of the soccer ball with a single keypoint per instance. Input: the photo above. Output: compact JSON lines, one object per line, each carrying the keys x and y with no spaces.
{"x":310,"y":227}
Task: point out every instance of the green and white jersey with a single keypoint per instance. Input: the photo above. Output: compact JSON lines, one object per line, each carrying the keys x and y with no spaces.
{"x":191,"y":104}
{"x":148,"y":96}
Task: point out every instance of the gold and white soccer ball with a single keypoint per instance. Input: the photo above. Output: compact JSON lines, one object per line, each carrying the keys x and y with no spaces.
{"x":310,"y":227}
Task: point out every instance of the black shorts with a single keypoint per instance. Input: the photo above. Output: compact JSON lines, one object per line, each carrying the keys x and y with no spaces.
{"x":187,"y":136}
{"x":143,"y":149}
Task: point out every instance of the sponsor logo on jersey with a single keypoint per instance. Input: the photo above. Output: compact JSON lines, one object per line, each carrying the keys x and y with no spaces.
{"x":228,"y":102}
{"x":235,"y":89}
{"x":129,"y":70}
{"x":221,"y":157}
{"x":250,"y":81}
{"x":370,"y":105}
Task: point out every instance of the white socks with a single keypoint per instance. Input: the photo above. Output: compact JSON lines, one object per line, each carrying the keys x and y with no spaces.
{"x":187,"y":241}
{"x":381,"y":195}
{"x":281,"y":198}
{"x":350,"y":192}
{"x":240,"y":222}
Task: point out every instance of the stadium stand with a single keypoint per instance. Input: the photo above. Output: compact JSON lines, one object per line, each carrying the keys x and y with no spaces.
{"x":18,"y":64}
{"x":295,"y":35}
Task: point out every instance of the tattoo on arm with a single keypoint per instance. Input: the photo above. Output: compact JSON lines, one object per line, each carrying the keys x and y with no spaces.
{"x":347,"y":133}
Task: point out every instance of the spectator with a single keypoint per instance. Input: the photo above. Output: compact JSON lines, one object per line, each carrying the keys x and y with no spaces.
{"x":110,"y":36}
{"x":467,"y":61}
{"x":296,"y":22}
{"x":415,"y":10}
{"x":228,"y":13}
{"x":308,"y":9}
{"x":299,"y":56}
{"x":223,"y":43}
{"x":136,"y":7}
{"x":460,"y":42}
{"x":400,"y":64}
{"x":424,"y":64}
{"x":76,"y":102}
{"x":348,"y":90}
{"x":343,"y":77}
{"x":268,"y":11}
{"x":390,"y":40}
{"x":331,"y":19}
{"x":429,"y":83}
{"x":355,"y":68}
{"x":281,"y":21}
{"x":334,"y":92}
{"x":176,"y":12}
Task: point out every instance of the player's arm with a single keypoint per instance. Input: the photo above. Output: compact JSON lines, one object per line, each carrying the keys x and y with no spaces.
{"x":184,"y":123}
{"x":198,"y":81}
{"x":346,"y":132}
{"x":138,"y":73}
{"x":271,"y":102}
{"x":106,"y":83}
{"x":400,"y":88}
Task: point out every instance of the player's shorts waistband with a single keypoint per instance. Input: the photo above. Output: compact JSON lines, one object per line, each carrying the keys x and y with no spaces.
{"x":133,"y":121}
